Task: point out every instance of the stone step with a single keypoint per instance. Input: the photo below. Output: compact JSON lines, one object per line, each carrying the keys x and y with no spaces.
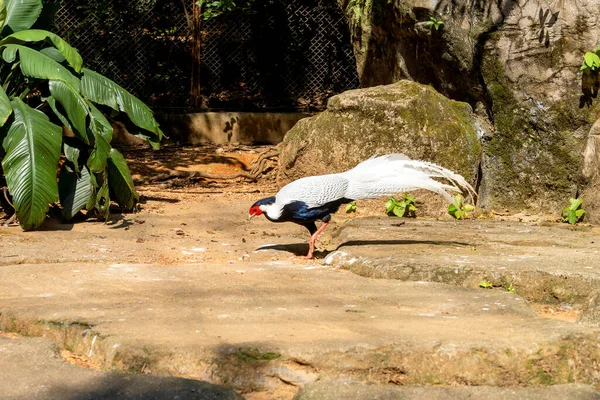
{"x":334,"y":390}
{"x":280,"y":325}
{"x":32,"y":370}
{"x":556,"y":263}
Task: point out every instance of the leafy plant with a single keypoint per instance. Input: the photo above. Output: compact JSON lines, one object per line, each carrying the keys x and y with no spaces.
{"x":404,"y":208}
{"x":573,"y":213}
{"x":359,"y":10}
{"x":591,"y":61}
{"x":210,"y":9}
{"x":351,"y":207}
{"x":511,"y":288}
{"x":55,"y":115}
{"x":434,"y":22}
{"x":458,"y":209}
{"x":356,"y":10}
{"x":485,"y":284}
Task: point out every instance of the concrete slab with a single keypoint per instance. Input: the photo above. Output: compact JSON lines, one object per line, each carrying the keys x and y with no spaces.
{"x":230,"y":127}
{"x":33,"y":370}
{"x":270,"y":324}
{"x":189,"y":287}
{"x":334,"y":390}
{"x":553,"y":263}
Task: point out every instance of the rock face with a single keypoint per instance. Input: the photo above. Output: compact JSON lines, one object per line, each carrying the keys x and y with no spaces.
{"x":515,"y":62}
{"x":404,"y":117}
{"x":590,"y":170}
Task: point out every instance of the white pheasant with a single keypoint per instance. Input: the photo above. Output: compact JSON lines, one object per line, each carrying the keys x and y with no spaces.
{"x":313,"y":198}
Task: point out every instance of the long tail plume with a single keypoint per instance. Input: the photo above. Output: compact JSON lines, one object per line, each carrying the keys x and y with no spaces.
{"x":395,"y":173}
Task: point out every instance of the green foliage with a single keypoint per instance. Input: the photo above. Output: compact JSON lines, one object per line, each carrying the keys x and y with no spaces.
{"x":351,"y":207}
{"x":404,"y":208}
{"x":435,"y":23}
{"x":591,"y":61}
{"x":511,"y":288}
{"x":210,"y":9}
{"x":573,"y":213}
{"x":357,"y":11}
{"x":459,"y":210}
{"x":45,"y":88}
{"x":485,"y":284}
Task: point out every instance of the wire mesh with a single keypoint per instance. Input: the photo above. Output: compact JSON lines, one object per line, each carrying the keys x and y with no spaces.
{"x":279,"y":54}
{"x":144,"y":45}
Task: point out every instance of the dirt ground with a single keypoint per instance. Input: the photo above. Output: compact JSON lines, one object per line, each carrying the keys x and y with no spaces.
{"x":187,"y":230}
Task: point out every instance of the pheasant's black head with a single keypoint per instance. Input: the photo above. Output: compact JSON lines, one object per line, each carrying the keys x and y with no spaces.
{"x":256,"y":207}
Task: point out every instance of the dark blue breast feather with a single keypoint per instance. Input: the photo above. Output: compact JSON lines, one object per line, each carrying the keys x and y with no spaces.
{"x":299,"y":212}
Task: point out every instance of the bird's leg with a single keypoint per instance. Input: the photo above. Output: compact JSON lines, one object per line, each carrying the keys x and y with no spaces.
{"x":313,"y":239}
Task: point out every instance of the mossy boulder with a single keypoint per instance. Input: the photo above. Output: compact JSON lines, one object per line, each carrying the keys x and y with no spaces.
{"x":405,"y":117}
{"x":517,"y":63}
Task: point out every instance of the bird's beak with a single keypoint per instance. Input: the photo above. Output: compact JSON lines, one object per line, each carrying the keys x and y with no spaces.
{"x":250,"y":216}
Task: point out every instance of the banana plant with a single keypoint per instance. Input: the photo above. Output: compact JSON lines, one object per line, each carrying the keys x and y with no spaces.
{"x":55,"y":123}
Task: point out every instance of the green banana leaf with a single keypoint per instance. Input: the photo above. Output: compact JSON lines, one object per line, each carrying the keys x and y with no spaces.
{"x":75,"y":190}
{"x":54,"y":54}
{"x":102,"y":131}
{"x":38,"y":35}
{"x":21,"y":15}
{"x":59,"y":113}
{"x":5,"y":108}
{"x":32,"y":146}
{"x":102,"y":90}
{"x":120,"y":180}
{"x":2,"y":13}
{"x":73,"y":104}
{"x":72,"y":154}
{"x":100,"y":200}
{"x":39,"y":66}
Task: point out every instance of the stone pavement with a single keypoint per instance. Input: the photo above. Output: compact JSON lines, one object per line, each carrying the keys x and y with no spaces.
{"x":180,"y":289}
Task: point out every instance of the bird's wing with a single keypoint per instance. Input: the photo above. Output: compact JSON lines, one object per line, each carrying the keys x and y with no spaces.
{"x":315,"y":191}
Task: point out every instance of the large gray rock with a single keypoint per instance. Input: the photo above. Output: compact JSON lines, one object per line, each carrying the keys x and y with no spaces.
{"x":404,"y":117}
{"x":590,"y":169}
{"x":517,"y":63}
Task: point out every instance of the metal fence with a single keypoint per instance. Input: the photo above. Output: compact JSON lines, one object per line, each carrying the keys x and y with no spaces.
{"x":280,"y":54}
{"x":144,"y":45}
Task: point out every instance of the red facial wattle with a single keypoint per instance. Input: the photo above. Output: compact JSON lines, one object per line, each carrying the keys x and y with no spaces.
{"x":255,"y":210}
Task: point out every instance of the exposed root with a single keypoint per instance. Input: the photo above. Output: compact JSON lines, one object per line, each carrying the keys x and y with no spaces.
{"x":13,"y":218}
{"x":12,"y":221}
{"x":258,"y":167}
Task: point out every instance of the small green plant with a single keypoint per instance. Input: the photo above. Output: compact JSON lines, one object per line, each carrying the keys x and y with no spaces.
{"x":434,"y":22}
{"x":591,"y":61}
{"x":350,"y":208}
{"x":511,"y":288}
{"x":485,"y":284}
{"x":213,"y":8}
{"x":404,"y":208}
{"x":459,"y":212}
{"x":573,"y":213}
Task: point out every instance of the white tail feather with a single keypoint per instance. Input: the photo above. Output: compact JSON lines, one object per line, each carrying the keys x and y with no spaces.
{"x":395,"y":173}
